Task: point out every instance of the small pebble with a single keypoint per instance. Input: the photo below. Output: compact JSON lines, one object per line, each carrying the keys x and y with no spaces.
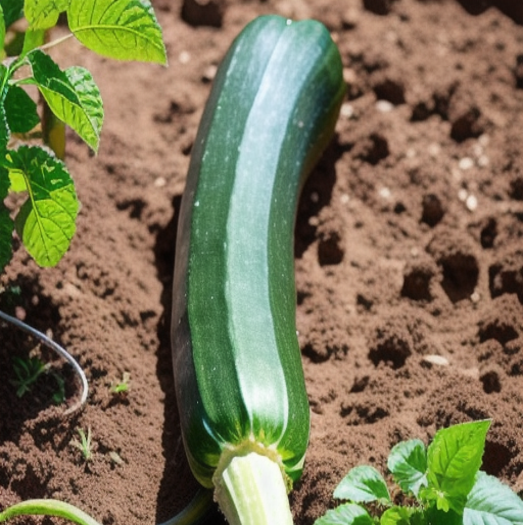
{"x":483,"y":161}
{"x":384,"y":193}
{"x":465,"y":163}
{"x":349,"y":75}
{"x":384,"y":106}
{"x":462,"y":194}
{"x":184,"y":57}
{"x":434,"y":149}
{"x":471,"y":202}
{"x":435,"y":359}
{"x":209,"y":73}
{"x":347,"y":110}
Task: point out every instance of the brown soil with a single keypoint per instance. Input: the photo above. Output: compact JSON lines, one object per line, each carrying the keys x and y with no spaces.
{"x":409,"y":245}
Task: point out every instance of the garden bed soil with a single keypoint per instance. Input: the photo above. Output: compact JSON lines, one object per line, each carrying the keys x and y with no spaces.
{"x":409,"y":259}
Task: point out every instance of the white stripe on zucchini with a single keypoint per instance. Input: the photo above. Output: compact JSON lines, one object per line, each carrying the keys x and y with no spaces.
{"x":239,"y":380}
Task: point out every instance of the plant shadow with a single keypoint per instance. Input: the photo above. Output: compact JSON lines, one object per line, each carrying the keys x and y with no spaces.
{"x":177,"y":486}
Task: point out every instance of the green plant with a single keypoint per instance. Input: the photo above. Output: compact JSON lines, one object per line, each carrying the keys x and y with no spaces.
{"x":119,"y":29}
{"x":243,"y":408}
{"x":121,"y":387}
{"x":47,"y":507}
{"x":85,"y":445}
{"x":27,"y":373}
{"x":442,"y":484}
{"x":28,"y":370}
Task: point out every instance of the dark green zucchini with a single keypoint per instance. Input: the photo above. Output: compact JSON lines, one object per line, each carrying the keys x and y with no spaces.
{"x":237,"y":364}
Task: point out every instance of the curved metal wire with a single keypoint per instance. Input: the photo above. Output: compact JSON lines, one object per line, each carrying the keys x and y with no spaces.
{"x":60,"y":351}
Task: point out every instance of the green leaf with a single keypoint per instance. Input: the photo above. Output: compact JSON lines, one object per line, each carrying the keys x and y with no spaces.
{"x":408,"y":464}
{"x":33,"y":38}
{"x":363,"y":484}
{"x":490,"y":502}
{"x":13,"y":10}
{"x":17,"y":179}
{"x":453,"y":460}
{"x":47,"y":507}
{"x":402,"y":516}
{"x":72,"y":96}
{"x":20,"y":110}
{"x":434,"y":516}
{"x":46,"y":221}
{"x":43,"y":14}
{"x":347,"y":514}
{"x":2,"y":31}
{"x":4,"y":131}
{"x":120,"y":29}
{"x":90,"y":97}
{"x":6,"y":224}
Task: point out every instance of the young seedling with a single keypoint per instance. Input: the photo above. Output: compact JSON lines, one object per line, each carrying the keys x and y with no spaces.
{"x":121,"y":387}
{"x":27,"y":370}
{"x":84,"y":445}
{"x":443,"y":483}
{"x":59,"y":395}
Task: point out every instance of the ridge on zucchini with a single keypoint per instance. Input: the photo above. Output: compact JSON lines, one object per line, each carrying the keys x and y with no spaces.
{"x":238,"y":375}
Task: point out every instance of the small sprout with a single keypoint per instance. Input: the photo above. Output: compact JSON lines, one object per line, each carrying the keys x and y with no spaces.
{"x":84,"y":445}
{"x":121,"y":387}
{"x":27,"y":371}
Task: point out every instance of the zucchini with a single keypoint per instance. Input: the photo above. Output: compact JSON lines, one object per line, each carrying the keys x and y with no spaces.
{"x":241,"y":395}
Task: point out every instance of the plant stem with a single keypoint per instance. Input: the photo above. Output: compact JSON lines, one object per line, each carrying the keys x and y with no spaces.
{"x":48,"y":507}
{"x":53,"y":131}
{"x":60,"y":351}
{"x":52,"y":43}
{"x":251,"y":490}
{"x":196,"y":512}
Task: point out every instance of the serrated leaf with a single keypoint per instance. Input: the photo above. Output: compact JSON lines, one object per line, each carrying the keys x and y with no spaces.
{"x":43,"y":14}
{"x":453,"y":460}
{"x":119,"y":29}
{"x":13,"y":10}
{"x":2,"y":30}
{"x":46,"y":221}
{"x":89,"y":95}
{"x":490,"y":502}
{"x":363,"y":484}
{"x":4,"y":127}
{"x":4,"y":130}
{"x":346,"y":514}
{"x":6,"y":223}
{"x":20,"y":110}
{"x":72,"y":96}
{"x":408,"y":463}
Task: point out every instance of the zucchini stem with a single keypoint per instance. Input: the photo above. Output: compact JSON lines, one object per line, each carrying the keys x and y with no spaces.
{"x":251,"y":490}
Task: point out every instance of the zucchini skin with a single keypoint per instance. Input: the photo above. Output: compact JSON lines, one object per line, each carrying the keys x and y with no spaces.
{"x":237,"y":363}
